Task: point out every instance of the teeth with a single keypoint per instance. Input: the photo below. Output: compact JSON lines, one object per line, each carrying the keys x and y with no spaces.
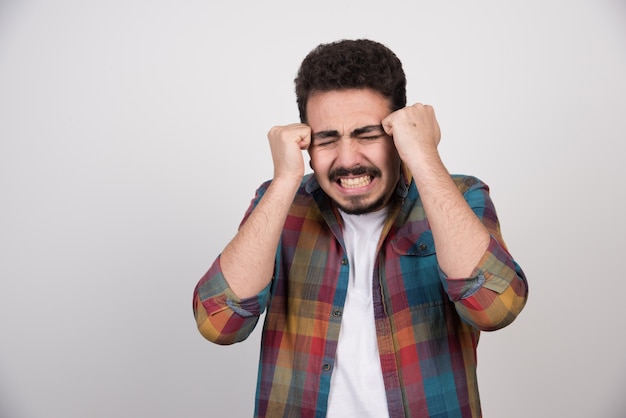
{"x":355,"y":182}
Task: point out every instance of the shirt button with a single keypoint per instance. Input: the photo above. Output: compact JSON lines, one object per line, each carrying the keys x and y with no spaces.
{"x":423,"y":247}
{"x":326,"y":367}
{"x":344,"y":261}
{"x":337,"y":313}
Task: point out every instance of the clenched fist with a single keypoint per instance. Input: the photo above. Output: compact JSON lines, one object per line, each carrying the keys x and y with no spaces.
{"x":414,"y":130}
{"x":287,"y":143}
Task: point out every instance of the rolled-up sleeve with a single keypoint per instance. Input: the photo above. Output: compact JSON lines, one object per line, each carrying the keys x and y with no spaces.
{"x":221,"y":316}
{"x":496,"y":292}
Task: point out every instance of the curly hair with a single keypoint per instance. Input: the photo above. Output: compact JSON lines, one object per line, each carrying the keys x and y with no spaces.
{"x":351,"y":64}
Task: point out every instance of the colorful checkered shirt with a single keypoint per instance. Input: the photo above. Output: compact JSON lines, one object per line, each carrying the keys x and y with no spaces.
{"x":427,"y":324}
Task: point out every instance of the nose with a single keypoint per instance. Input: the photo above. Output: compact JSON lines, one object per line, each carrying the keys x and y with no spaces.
{"x":348,"y":153}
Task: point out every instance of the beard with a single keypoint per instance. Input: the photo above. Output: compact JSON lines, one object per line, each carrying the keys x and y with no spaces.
{"x":358,"y":205}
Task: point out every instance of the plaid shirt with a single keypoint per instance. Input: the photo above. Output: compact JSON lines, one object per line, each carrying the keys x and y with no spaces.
{"x":427,"y":324}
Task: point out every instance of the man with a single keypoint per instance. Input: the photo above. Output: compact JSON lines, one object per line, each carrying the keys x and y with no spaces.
{"x":378,"y":271}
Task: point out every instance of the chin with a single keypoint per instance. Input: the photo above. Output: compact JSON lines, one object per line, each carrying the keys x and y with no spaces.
{"x":359,"y":206}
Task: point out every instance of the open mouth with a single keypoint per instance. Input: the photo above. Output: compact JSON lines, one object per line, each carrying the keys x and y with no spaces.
{"x":355,"y":178}
{"x":354,"y":182}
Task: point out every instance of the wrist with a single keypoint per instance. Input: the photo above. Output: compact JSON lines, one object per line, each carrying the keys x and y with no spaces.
{"x":287,"y":180}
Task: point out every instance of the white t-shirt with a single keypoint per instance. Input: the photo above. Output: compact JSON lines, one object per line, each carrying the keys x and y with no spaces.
{"x":356,"y":386}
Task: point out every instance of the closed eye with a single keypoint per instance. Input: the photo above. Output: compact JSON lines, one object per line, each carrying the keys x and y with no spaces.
{"x":325,"y":142}
{"x":369,"y":133}
{"x":371,"y":137}
{"x":325,"y":138}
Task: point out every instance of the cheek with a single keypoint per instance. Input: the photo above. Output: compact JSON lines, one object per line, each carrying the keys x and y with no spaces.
{"x":393,"y":158}
{"x":384,"y":157}
{"x":317,"y":162}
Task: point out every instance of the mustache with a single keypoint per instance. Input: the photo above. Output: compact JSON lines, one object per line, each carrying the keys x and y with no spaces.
{"x":336,"y":173}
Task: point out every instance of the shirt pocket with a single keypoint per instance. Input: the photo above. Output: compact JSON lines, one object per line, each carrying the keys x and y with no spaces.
{"x":412,"y":244}
{"x":417,"y":271}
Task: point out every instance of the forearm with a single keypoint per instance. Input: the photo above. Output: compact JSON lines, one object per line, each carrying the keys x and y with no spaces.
{"x":247,"y":262}
{"x":460,"y":237}
{"x":494,"y":293}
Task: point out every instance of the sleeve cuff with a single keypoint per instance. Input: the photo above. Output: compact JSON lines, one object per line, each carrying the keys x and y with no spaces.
{"x":490,"y":274}
{"x":247,"y":307}
{"x":217,"y":296}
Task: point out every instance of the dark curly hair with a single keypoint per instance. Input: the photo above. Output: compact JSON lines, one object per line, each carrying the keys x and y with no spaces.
{"x":351,"y":64}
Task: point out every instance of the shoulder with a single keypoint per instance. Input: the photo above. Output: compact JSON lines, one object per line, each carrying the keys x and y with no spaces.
{"x":466,"y":183}
{"x":308,"y":185}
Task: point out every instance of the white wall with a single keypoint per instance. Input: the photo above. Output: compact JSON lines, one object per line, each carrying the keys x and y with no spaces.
{"x":133,"y":135}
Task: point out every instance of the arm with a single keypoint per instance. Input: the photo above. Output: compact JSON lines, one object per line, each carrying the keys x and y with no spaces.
{"x":232,"y":290}
{"x":488,"y":287}
{"x":496,"y":291}
{"x":248,"y":260}
{"x":461,"y":239}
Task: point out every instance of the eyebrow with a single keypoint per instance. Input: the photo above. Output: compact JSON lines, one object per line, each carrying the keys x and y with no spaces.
{"x":331,"y":133}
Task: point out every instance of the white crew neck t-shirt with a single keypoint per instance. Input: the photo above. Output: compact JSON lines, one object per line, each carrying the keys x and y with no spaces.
{"x":356,"y":386}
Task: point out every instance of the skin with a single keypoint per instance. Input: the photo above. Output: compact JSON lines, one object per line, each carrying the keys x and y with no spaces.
{"x":350,"y":129}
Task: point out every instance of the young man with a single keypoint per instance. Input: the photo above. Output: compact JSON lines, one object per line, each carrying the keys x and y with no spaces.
{"x":378,"y":271}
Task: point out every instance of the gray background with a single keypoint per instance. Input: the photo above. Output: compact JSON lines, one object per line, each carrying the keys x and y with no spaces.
{"x":133,"y":135}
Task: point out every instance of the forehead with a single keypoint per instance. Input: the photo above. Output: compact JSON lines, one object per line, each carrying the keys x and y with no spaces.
{"x":345,"y":110}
